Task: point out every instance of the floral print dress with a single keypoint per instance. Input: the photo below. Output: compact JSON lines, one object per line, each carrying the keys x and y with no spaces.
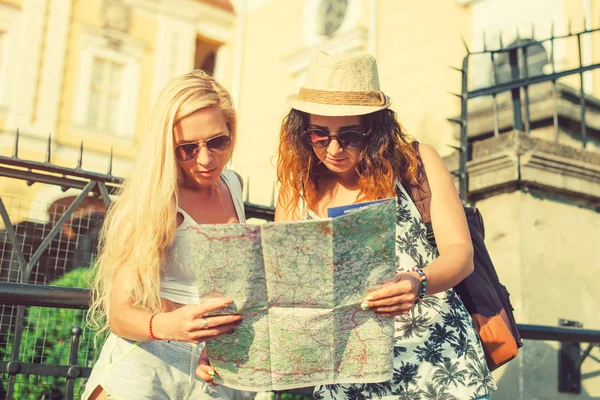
{"x":437,"y":352}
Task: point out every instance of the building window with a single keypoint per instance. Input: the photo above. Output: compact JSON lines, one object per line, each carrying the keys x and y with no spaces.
{"x":105,"y":94}
{"x":108,"y":86}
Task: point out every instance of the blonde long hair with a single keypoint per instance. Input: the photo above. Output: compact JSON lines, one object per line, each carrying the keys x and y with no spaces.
{"x":141,"y":223}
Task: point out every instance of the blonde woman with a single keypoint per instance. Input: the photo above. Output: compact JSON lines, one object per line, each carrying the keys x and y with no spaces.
{"x":142,"y":292}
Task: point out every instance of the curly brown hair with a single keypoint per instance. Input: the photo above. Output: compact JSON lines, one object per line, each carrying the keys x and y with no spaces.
{"x":387,"y":155}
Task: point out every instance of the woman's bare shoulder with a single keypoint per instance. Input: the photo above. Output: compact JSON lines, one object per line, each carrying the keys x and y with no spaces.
{"x":432,"y":161}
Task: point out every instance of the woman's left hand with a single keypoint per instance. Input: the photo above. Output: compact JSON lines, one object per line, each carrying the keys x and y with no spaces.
{"x":395,"y":298}
{"x":204,"y":370}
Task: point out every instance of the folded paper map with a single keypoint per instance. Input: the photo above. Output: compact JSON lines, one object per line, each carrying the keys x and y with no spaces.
{"x":299,"y":286}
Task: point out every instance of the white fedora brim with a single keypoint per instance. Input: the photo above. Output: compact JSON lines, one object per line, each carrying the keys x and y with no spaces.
{"x":331,"y":110}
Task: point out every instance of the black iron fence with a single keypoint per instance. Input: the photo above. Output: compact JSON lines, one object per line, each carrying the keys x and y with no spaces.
{"x":514,"y":69}
{"x":44,"y":267}
{"x":66,"y":371}
{"x":570,"y":336}
{"x":43,"y":253}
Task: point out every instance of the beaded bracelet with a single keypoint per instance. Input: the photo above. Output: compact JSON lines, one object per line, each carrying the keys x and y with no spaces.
{"x":423,"y":278}
{"x":150,"y":327}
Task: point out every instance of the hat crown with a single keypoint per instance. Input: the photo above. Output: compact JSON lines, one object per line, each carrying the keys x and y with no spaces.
{"x":341,"y":84}
{"x":342,"y":73}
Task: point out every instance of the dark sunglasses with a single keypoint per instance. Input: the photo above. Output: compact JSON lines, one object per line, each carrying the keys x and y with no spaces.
{"x":347,"y":139}
{"x":189,"y":151}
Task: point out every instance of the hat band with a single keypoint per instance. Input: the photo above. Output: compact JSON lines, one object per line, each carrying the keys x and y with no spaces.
{"x":370,"y":98}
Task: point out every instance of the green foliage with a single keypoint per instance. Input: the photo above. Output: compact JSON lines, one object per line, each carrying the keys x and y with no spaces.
{"x":47,"y":340}
{"x":293,"y":396}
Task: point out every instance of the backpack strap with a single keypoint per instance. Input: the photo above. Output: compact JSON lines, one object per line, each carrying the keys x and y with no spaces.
{"x":420,"y":193}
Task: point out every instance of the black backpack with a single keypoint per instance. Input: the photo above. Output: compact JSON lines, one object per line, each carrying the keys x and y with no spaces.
{"x":484,"y":297}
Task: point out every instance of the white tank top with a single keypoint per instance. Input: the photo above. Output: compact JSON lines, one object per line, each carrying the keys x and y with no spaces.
{"x":175,"y":283}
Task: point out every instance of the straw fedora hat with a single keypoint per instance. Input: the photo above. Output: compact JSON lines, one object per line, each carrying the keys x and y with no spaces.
{"x":339,"y":85}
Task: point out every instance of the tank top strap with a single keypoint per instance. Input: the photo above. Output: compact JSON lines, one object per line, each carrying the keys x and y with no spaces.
{"x":235,"y":188}
{"x":187,"y":219}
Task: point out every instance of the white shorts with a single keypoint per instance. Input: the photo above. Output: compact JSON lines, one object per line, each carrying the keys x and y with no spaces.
{"x":152,"y":370}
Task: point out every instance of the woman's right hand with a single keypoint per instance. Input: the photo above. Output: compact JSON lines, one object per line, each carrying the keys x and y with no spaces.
{"x":189,"y":324}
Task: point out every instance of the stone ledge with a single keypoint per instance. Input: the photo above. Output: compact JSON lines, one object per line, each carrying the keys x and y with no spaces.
{"x":517,"y":161}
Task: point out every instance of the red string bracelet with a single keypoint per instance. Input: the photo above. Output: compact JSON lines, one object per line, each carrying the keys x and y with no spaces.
{"x":150,"y":328}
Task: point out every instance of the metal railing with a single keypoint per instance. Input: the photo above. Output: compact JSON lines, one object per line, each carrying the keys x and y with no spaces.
{"x":102,"y":185}
{"x":518,"y":85}
{"x":22,"y":260}
{"x":75,"y":298}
